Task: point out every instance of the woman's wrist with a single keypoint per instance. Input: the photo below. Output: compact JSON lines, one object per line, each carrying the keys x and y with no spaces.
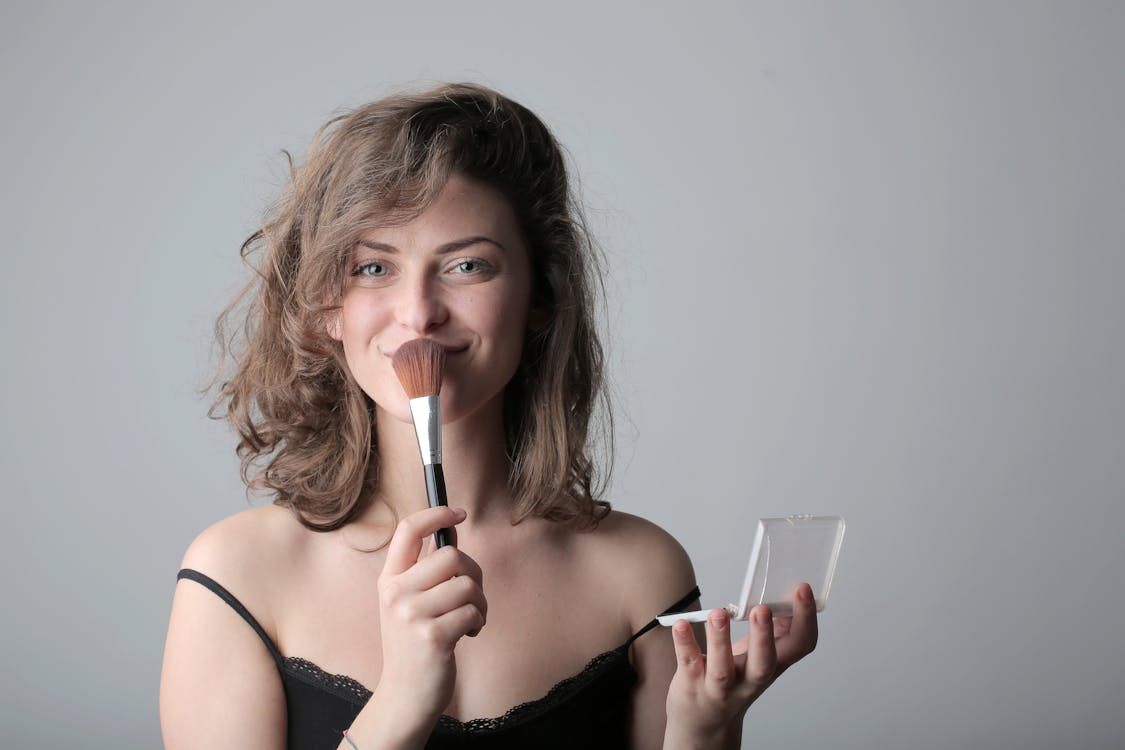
{"x":728,"y":737}
{"x":382,"y":725}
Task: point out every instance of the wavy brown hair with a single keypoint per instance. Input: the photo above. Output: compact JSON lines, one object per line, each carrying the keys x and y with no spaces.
{"x":306,"y":429}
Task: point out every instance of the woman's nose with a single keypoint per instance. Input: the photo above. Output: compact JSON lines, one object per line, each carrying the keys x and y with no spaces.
{"x":419,"y":306}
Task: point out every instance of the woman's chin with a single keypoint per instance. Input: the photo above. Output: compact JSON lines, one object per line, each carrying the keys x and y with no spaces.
{"x":455,"y":407}
{"x":453,"y":413}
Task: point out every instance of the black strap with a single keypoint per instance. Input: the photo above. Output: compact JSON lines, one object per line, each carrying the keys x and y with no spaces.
{"x":228,"y":597}
{"x":677,"y":607}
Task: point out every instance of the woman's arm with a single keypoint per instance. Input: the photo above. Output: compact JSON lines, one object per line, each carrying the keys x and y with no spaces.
{"x":426,"y":604}
{"x":219,"y":686}
{"x":657,"y":572}
{"x":654,"y":658}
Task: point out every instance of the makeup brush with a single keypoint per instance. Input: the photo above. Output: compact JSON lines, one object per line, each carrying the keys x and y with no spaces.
{"x":419,"y":365}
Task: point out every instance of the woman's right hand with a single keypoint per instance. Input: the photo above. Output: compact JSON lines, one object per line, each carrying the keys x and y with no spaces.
{"x":426,"y":604}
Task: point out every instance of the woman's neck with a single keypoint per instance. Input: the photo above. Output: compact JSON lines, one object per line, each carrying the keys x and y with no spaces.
{"x":474,"y":462}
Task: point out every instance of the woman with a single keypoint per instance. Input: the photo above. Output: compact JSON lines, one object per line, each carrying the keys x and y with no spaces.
{"x":326,"y":619}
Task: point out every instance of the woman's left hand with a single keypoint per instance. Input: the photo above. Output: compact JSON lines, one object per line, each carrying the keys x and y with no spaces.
{"x":710,"y":692}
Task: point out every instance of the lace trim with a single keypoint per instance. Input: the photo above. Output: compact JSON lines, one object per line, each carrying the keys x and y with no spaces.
{"x":562,"y":689}
{"x":341,"y":685}
{"x":353,"y":691}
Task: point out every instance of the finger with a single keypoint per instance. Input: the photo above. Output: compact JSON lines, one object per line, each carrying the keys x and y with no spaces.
{"x":802,"y":636}
{"x":431,"y":541}
{"x":720,"y":659}
{"x":688,"y":656}
{"x":442,"y":565}
{"x":430,"y":544}
{"x":449,"y":596}
{"x":465,"y":620}
{"x":781,"y":626}
{"x":761,"y":655}
{"x":406,"y":544}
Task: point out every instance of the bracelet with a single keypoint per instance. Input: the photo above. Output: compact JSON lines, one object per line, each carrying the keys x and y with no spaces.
{"x":349,"y":740}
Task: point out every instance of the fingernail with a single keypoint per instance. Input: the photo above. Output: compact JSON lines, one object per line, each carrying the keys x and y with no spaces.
{"x":805,"y":592}
{"x":761,"y":617}
{"x":718,"y":620}
{"x":460,"y":512}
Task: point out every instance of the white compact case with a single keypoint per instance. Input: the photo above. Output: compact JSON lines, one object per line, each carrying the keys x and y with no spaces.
{"x":786,"y":552}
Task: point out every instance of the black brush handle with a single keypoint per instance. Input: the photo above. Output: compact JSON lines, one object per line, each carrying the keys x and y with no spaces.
{"x":435,"y":491}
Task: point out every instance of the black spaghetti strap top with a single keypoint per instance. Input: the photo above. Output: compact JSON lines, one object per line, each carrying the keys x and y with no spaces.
{"x":588,"y":710}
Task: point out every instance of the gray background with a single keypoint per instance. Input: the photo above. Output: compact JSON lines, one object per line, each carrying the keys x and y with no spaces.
{"x":889,"y":237}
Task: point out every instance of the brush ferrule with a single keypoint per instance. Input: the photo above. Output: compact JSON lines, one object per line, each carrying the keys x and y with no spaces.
{"x":427,"y":426}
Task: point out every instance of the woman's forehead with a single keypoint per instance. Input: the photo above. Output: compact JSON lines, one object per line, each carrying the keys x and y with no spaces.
{"x":463,"y":208}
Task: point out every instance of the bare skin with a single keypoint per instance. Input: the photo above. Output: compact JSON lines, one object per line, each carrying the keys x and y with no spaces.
{"x":532,"y":634}
{"x":467,"y":632}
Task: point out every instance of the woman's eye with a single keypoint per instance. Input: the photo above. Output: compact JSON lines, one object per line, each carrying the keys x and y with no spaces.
{"x":471,"y":266}
{"x":371,"y":270}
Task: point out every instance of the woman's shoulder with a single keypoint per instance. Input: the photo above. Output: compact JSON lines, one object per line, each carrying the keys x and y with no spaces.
{"x":246,"y":552}
{"x":653,"y":566}
{"x":620,"y":534}
{"x":255,"y":534}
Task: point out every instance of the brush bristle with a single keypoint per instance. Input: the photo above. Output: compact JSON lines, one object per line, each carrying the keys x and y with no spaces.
{"x":419,"y":365}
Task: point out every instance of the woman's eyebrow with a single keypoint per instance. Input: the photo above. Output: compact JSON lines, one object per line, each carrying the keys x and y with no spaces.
{"x":449,"y":247}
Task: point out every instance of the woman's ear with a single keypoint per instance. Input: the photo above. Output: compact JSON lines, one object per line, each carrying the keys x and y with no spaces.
{"x":334,"y":328}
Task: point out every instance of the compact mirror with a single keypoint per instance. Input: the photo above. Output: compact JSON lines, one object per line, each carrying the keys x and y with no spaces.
{"x":786,"y":552}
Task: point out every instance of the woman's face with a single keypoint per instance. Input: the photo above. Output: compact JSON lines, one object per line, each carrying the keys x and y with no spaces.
{"x":457,"y":274}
